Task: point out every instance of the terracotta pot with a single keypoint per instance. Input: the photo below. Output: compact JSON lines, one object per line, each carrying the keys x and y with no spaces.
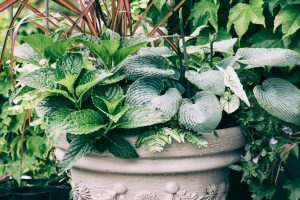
{"x":180,"y":172}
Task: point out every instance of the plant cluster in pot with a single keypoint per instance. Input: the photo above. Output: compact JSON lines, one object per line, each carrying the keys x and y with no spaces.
{"x":109,"y":94}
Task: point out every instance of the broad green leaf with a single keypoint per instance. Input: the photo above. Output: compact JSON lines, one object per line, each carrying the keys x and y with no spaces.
{"x":57,"y":49}
{"x":242,"y":14}
{"x":38,"y":42}
{"x":263,"y":191}
{"x":225,"y":46}
{"x":139,"y":66}
{"x":279,"y":98}
{"x":120,"y":147}
{"x":68,"y":69}
{"x":159,"y":4}
{"x":83,"y":122}
{"x":147,"y":92}
{"x":266,"y":39}
{"x":110,"y":35}
{"x":79,"y":147}
{"x":205,"y":11}
{"x":91,"y":79}
{"x":138,"y":116}
{"x":111,"y":46}
{"x":289,"y":19}
{"x":203,"y":115}
{"x":51,"y":104}
{"x":232,"y":81}
{"x":229,"y":102}
{"x":260,"y":57}
{"x":211,"y":80}
{"x":99,"y":50}
{"x":5,"y":84}
{"x":123,"y":53}
{"x":293,"y":188}
{"x":26,"y":53}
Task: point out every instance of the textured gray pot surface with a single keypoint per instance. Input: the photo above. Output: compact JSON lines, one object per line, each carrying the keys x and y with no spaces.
{"x":180,"y":172}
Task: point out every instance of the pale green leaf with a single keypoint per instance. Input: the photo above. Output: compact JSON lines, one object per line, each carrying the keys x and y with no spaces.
{"x":26,"y":53}
{"x":58,"y":49}
{"x":111,"y":46}
{"x":229,"y":102}
{"x":38,"y":42}
{"x":123,"y":53}
{"x":279,"y":98}
{"x":161,"y":51}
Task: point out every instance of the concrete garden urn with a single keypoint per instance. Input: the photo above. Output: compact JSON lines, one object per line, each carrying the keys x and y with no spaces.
{"x":181,"y":172}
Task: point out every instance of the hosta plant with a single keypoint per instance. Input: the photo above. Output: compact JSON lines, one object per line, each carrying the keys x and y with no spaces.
{"x":98,"y":90}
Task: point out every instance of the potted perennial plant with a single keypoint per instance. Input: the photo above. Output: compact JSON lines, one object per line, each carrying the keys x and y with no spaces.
{"x":99,"y":98}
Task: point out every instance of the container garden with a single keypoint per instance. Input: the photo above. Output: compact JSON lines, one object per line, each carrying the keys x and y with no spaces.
{"x":181,"y":171}
{"x":58,"y":190}
{"x":30,"y":193}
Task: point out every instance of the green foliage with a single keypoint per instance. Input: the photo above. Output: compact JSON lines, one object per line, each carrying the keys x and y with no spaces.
{"x":120,"y":147}
{"x":293,"y":188}
{"x":38,"y":42}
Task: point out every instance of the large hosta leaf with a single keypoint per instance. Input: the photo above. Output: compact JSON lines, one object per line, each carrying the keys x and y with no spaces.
{"x":147,"y":92}
{"x":203,"y":115}
{"x":162,"y":51}
{"x":139,"y":116}
{"x":83,"y":122}
{"x":279,"y":98}
{"x":148,"y":65}
{"x":211,"y":80}
{"x":260,"y":57}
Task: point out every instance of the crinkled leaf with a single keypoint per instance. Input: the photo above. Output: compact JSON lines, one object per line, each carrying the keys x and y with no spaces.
{"x":148,"y":65}
{"x":38,"y":42}
{"x":147,"y":92}
{"x":232,"y":81}
{"x":211,"y":80}
{"x":229,"y":102}
{"x":161,"y":51}
{"x":203,"y":115}
{"x":79,"y":147}
{"x":120,"y":147}
{"x":138,"y":116}
{"x":279,"y":98}
{"x":242,"y":14}
{"x":51,"y":104}
{"x":83,"y":122}
{"x":57,"y":49}
{"x":260,"y":57}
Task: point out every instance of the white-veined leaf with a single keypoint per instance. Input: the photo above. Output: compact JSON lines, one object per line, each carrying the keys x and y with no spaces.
{"x":229,"y":102}
{"x":280,"y":98}
{"x":203,"y":115}
{"x":211,"y":80}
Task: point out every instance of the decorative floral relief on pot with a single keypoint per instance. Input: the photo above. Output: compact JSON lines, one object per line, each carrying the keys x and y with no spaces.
{"x":146,"y":196}
{"x":81,"y":192}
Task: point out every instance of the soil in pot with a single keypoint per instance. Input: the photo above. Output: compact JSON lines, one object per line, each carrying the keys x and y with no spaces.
{"x":4,"y":194}
{"x":30,"y":193}
{"x":58,"y":190}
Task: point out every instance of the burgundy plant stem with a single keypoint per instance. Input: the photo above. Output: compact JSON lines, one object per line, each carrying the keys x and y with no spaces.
{"x":87,"y":17}
{"x":43,"y":28}
{"x":7,"y":4}
{"x":166,"y":17}
{"x":22,"y":139}
{"x":72,"y":22}
{"x":142,"y":15}
{"x":67,"y":4}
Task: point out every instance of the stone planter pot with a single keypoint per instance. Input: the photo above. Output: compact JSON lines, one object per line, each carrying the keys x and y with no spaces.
{"x":180,"y":172}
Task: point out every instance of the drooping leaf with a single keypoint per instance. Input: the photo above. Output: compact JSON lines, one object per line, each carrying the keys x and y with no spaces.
{"x":139,"y":116}
{"x":148,"y":65}
{"x":289,"y":19}
{"x":211,"y":80}
{"x":38,"y":42}
{"x":120,"y":147}
{"x":83,"y":122}
{"x":232,"y":81}
{"x":90,"y":79}
{"x":229,"y":102}
{"x":260,"y":57}
{"x":123,"y":53}
{"x":79,"y":147}
{"x":242,"y":14}
{"x":57,"y":49}
{"x":203,"y":115}
{"x":68,"y":69}
{"x":147,"y":92}
{"x":205,"y":11}
{"x":111,"y":46}
{"x":51,"y":104}
{"x":279,"y":98}
{"x":162,"y":51}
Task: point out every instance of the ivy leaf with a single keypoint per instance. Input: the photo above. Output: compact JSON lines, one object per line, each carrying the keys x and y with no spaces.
{"x":242,"y":14}
{"x":205,"y":11}
{"x":289,"y":18}
{"x":68,"y":69}
{"x":57,"y":49}
{"x":79,"y":147}
{"x":230,"y":102}
{"x":120,"y":147}
{"x":82,"y":122}
{"x":38,"y":42}
{"x":293,"y":189}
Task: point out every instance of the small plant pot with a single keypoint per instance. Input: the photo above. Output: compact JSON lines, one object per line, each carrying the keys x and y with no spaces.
{"x":4,"y":194}
{"x":58,"y":191}
{"x":30,"y":193}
